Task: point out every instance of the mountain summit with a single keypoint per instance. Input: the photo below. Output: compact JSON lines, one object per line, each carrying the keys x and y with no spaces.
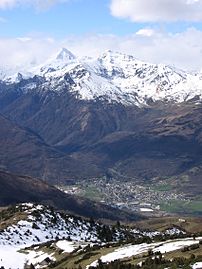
{"x":65,"y":55}
{"x":115,"y":77}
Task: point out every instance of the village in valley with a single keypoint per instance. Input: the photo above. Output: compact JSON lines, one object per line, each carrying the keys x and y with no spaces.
{"x":128,"y":195}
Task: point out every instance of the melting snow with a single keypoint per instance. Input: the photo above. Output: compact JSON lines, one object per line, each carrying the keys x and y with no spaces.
{"x":68,"y":246}
{"x":42,"y":224}
{"x":131,"y":250}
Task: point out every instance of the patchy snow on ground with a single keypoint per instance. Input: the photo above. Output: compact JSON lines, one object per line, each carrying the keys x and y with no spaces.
{"x":132,"y":250}
{"x":124,"y":252}
{"x":42,"y":224}
{"x":37,"y":257}
{"x":68,"y":246}
{"x":10,"y":257}
{"x":171,"y":246}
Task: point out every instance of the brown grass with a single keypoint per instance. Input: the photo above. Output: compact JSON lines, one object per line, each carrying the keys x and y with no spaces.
{"x":191,"y":224}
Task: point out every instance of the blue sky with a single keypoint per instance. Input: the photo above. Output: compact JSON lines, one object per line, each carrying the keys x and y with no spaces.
{"x":76,"y":17}
{"x":168,"y":31}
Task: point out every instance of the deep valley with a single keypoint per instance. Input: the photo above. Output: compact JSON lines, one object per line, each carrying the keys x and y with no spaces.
{"x":100,"y":165}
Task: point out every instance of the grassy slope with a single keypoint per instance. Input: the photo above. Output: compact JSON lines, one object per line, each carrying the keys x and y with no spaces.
{"x":191,"y":224}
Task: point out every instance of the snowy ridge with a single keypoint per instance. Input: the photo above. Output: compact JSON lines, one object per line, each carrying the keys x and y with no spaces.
{"x":41,"y":224}
{"x":113,"y":76}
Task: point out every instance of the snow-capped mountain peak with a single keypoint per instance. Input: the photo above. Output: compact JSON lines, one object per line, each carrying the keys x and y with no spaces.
{"x":116,"y":77}
{"x":115,"y":57}
{"x":65,"y":55}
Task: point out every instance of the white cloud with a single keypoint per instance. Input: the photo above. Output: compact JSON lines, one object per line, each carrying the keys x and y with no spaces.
{"x":39,"y":4}
{"x":157,"y":10}
{"x":182,"y":50}
{"x":25,"y":50}
{"x":145,"y":32}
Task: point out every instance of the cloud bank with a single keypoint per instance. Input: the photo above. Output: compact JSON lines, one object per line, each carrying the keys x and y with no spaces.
{"x":182,"y":50}
{"x":157,"y":10}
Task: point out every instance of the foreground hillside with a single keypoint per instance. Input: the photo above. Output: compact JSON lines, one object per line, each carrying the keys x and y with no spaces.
{"x":17,"y":189}
{"x":39,"y":236}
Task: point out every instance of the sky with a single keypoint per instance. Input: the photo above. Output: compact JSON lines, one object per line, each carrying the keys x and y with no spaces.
{"x":157,"y":31}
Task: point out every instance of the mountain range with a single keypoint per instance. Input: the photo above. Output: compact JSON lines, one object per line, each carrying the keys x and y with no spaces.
{"x":115,"y":116}
{"x":113,"y":76}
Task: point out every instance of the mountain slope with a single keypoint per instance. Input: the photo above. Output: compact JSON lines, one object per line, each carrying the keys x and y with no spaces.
{"x":113,"y":115}
{"x":41,"y":236}
{"x":161,"y":141}
{"x":23,"y":151}
{"x":20,"y":189}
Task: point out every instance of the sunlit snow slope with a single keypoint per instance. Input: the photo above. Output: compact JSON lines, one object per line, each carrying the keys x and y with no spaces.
{"x":113,"y":76}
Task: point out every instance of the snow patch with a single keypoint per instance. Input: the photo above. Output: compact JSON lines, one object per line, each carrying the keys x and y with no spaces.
{"x":68,"y":246}
{"x":144,"y":209}
{"x":197,"y":265}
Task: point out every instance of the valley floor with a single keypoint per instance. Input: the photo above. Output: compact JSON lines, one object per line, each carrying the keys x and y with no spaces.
{"x":153,"y":198}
